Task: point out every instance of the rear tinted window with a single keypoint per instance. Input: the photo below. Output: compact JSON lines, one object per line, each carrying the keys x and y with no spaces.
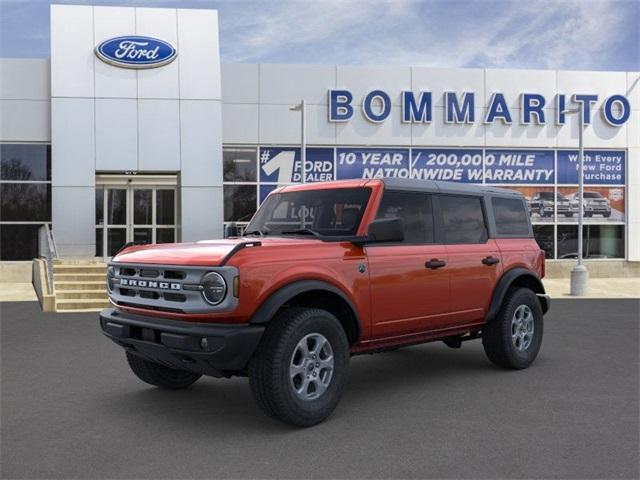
{"x":463,"y":219}
{"x":511,"y":216}
{"x":415,"y":211}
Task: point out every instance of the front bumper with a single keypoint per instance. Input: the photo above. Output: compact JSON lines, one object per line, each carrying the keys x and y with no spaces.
{"x":180,"y":345}
{"x":598,"y":209}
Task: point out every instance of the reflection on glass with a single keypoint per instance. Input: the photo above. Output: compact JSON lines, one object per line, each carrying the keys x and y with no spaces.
{"x":463,"y":219}
{"x":165,"y":235}
{"x":99,"y":242}
{"x":544,"y":236}
{"x":117,"y":207}
{"x":239,"y":164}
{"x":599,"y":241}
{"x":142,"y":205}
{"x":510,"y":216}
{"x":142,"y":235}
{"x":116,"y":238}
{"x":99,"y":206}
{"x":25,"y":162}
{"x":25,"y":202}
{"x":165,"y":207}
{"x":18,"y":242}
{"x":413,"y":208}
{"x":239,"y":202}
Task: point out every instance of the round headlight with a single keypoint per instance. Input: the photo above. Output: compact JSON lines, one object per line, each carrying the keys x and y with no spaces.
{"x":214,"y":288}
{"x":111,"y":273}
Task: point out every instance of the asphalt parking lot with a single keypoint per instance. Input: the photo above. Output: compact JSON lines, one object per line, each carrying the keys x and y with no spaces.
{"x":72,"y":409}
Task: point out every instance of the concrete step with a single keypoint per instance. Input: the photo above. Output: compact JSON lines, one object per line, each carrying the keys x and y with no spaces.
{"x":98,"y":295}
{"x":74,"y":304}
{"x":80,"y":285}
{"x":77,"y":261}
{"x":79,"y":269}
{"x":80,"y":277}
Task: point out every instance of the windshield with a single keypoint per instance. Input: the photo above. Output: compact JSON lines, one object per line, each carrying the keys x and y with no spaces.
{"x":326,"y":212}
{"x":592,"y":195}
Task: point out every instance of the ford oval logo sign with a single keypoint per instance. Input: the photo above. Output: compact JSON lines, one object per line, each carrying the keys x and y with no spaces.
{"x":134,"y":51}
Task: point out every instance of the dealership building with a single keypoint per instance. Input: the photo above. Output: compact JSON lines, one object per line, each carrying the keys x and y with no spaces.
{"x":107,"y":151}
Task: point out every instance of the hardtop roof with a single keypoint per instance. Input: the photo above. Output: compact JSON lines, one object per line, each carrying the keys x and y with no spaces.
{"x":445,"y":187}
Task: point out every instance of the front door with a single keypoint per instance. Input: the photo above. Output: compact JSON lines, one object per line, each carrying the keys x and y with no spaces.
{"x":409,"y":280}
{"x":134,"y":213}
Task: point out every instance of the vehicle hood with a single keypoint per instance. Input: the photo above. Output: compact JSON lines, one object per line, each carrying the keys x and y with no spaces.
{"x":203,"y":253}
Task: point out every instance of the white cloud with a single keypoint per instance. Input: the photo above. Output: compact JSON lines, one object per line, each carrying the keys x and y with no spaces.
{"x":534,"y":34}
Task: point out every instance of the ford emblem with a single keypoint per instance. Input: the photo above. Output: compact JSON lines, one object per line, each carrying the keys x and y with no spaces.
{"x":134,"y":51}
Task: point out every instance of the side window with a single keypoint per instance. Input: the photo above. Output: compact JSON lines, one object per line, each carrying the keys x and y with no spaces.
{"x":415,"y":211}
{"x":511,"y":216}
{"x":463,"y":219}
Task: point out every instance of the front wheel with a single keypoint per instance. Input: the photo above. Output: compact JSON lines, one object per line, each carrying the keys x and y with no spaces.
{"x":159,"y":375}
{"x":513,"y":338}
{"x":299,"y":370}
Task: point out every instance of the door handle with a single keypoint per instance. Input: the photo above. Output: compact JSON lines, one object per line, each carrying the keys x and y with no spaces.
{"x":490,"y":260}
{"x":435,"y":263}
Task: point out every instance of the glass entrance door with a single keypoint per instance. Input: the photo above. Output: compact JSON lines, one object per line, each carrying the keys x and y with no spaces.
{"x":134,"y":213}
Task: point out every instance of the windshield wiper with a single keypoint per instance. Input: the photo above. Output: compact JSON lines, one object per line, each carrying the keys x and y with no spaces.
{"x":255,"y":232}
{"x":301,"y":231}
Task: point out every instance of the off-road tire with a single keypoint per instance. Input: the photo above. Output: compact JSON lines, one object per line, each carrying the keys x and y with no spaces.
{"x":159,"y":375}
{"x":269,"y":375}
{"x":496,"y":335}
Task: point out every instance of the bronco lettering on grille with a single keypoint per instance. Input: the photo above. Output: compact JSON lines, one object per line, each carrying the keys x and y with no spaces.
{"x":128,"y":282}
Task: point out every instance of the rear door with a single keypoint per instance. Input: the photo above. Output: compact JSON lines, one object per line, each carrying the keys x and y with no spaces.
{"x":409,"y":280}
{"x":474,"y":261}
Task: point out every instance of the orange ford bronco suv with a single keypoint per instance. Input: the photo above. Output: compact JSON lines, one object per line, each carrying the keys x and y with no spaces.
{"x":325,"y":271}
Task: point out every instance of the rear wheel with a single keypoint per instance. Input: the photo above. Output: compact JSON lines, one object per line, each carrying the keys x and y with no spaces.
{"x":159,"y":375}
{"x":514,"y":337}
{"x":299,"y":371}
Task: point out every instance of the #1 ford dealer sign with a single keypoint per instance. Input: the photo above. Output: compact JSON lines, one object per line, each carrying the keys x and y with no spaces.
{"x":134,"y":51}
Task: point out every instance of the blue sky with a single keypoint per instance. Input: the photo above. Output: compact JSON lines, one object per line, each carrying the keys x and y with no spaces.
{"x":546,"y":34}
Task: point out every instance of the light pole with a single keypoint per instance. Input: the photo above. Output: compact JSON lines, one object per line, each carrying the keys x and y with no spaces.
{"x":580,"y":274}
{"x":303,"y":136}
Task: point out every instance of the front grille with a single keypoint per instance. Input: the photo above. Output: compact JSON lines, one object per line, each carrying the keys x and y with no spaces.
{"x":153,"y":278}
{"x":169,"y":289}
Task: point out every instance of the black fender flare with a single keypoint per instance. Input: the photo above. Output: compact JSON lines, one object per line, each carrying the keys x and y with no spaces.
{"x":280,"y":297}
{"x":507,"y":279}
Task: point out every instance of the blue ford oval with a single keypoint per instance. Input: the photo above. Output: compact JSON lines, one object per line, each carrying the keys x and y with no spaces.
{"x":134,"y":51}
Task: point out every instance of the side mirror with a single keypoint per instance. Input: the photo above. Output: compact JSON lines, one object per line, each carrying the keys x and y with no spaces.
{"x":386,"y":230}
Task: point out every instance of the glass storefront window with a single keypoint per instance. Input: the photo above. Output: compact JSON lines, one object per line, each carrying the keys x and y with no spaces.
{"x":99,"y":206}
{"x":25,"y":202}
{"x":18,"y":242}
{"x":165,"y":207}
{"x":165,"y":235}
{"x":239,"y":164}
{"x":116,"y":238}
{"x":99,"y":242}
{"x":25,"y":162}
{"x":599,"y":241}
{"x":117,"y":206}
{"x":544,"y":236}
{"x":142,"y":206}
{"x":239,"y":202}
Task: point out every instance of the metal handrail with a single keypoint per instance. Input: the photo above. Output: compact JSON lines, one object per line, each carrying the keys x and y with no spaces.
{"x":48,"y":249}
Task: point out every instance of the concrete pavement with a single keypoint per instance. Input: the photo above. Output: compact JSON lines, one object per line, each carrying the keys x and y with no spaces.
{"x":72,"y":409}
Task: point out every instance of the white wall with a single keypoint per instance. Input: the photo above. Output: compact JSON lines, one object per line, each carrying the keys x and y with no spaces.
{"x":112,"y":119}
